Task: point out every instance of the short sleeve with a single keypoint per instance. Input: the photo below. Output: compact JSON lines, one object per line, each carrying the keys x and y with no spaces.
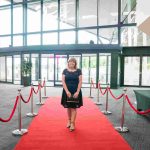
{"x":79,"y":72}
{"x":64,"y":72}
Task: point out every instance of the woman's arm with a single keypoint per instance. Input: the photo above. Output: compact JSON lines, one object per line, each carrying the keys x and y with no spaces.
{"x":80,"y":83}
{"x":79,"y":87}
{"x":65,"y":86}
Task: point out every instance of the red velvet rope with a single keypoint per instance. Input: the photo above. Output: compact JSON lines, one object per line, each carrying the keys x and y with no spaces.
{"x":31,"y":92}
{"x":127,"y":98}
{"x":139,"y":112}
{"x":12,"y":113}
{"x":103,"y":93}
{"x":37,"y":89}
{"x":116,"y":98}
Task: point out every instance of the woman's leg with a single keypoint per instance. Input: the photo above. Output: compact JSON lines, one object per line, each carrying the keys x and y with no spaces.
{"x":69,"y":117}
{"x":73,"y":118}
{"x":69,"y":113}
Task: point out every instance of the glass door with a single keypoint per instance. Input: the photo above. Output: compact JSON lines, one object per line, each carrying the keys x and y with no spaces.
{"x":60,"y":65}
{"x":35,"y":68}
{"x":89,"y":62}
{"x":132,"y":71}
{"x":2,"y":69}
{"x":145,"y":71}
{"x":47,"y":68}
{"x":17,"y":69}
{"x":104,"y":68}
{"x":9,"y":68}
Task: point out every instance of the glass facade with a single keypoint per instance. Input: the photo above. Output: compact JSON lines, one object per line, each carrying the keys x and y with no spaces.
{"x":48,"y":21}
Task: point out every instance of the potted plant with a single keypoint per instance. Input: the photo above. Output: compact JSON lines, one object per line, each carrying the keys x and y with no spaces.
{"x":26,"y":72}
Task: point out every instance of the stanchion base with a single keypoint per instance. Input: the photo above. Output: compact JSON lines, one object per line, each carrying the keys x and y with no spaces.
{"x":40,"y":103}
{"x":122,"y":129}
{"x":97,"y":103}
{"x":106,"y":112}
{"x":91,"y":97}
{"x":19,"y":132}
{"x":44,"y":96}
{"x":31,"y":114}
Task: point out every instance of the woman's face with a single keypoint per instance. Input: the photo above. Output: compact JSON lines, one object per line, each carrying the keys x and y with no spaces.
{"x":71,"y":64}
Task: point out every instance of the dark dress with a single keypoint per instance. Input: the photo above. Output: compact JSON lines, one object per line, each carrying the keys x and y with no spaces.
{"x":72,"y":81}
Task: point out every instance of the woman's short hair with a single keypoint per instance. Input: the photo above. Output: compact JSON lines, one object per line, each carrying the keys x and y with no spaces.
{"x":72,"y":59}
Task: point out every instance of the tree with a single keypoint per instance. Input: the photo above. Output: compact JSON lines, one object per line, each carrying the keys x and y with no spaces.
{"x":26,"y":72}
{"x":26,"y":68}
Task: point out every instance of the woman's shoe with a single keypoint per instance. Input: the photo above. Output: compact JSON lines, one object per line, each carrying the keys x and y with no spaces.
{"x":68,"y":124}
{"x":72,"y":126}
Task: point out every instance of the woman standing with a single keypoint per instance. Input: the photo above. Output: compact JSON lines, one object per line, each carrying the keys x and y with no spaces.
{"x":72,"y":82}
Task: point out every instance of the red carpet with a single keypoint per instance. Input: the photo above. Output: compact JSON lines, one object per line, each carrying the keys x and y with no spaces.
{"x":93,"y":130}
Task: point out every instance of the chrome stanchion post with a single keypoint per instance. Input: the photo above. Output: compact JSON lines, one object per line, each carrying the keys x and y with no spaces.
{"x":122,"y":128}
{"x":106,"y":112}
{"x":19,"y":131}
{"x":98,"y":102}
{"x":90,"y":89}
{"x":32,"y":113}
{"x":40,"y":98}
{"x":44,"y":89}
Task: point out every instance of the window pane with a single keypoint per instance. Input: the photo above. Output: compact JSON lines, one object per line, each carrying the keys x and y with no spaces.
{"x":146,"y":71}
{"x":87,"y":13}
{"x":104,"y":68}
{"x":50,"y":15}
{"x":67,"y":37}
{"x":35,"y":68}
{"x":131,"y":70}
{"x":128,"y":9}
{"x":2,"y":69}
{"x":131,"y":36}
{"x":47,"y":68}
{"x":5,"y":17}
{"x":87,"y":36}
{"x":108,"y":36}
{"x":67,"y":14}
{"x":93,"y":64}
{"x":17,"y":1}
{"x":34,"y":17}
{"x":50,"y":38}
{"x":9,"y":69}
{"x":18,"y":19}
{"x":5,"y":41}
{"x":4,"y":2}
{"x":108,"y":12}
{"x":60,"y":64}
{"x":33,"y":39}
{"x":16,"y":71}
{"x":89,"y":68}
{"x":85,"y":68}
{"x":18,"y":40}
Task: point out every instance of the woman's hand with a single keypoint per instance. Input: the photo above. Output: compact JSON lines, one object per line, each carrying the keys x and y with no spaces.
{"x":76,"y":94}
{"x":68,"y":94}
